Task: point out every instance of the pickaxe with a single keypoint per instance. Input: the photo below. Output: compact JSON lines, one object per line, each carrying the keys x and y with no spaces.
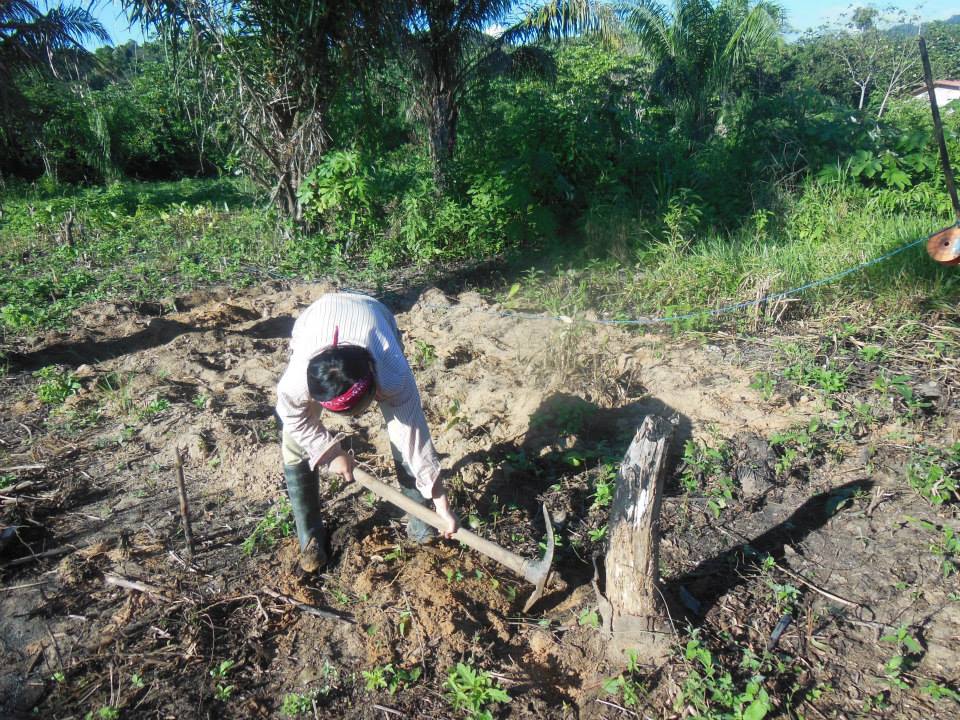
{"x":533,"y":571}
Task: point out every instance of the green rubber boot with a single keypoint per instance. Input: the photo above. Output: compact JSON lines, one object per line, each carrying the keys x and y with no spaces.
{"x":417,"y":530}
{"x":303,"y":488}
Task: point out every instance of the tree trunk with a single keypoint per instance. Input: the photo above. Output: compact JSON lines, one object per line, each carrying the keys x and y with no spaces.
{"x":636,"y":616}
{"x":442,"y":125}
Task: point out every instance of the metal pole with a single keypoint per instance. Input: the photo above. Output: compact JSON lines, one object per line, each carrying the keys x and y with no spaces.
{"x":938,"y":129}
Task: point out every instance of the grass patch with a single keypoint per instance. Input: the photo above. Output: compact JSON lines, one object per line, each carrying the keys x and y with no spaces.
{"x":830,"y":228}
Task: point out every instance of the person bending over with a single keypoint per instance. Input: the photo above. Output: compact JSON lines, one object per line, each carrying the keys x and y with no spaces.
{"x":345,"y":353}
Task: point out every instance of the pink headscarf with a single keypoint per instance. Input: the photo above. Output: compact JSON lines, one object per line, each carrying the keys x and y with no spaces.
{"x":344,"y":402}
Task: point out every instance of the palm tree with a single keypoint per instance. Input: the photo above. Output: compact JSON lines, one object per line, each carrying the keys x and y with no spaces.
{"x":696,"y":47}
{"x":31,"y":39}
{"x":260,"y":76}
{"x":447,"y":47}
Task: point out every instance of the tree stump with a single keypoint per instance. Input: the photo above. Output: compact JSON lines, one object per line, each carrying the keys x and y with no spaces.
{"x":633,"y":611}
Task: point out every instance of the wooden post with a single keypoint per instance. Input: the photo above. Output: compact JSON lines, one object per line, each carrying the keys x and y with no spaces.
{"x":637,"y":618}
{"x":184,"y":506}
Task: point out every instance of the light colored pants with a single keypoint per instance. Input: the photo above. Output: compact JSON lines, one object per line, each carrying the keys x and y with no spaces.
{"x":290,"y":450}
{"x":293,"y":454}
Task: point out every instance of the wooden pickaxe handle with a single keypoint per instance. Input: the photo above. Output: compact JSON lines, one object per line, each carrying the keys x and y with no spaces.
{"x":532,"y":571}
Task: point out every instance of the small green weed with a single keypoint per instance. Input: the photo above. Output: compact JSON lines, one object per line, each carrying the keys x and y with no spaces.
{"x":137,"y":681}
{"x":107,"y":712}
{"x":872,"y":353}
{"x":703,"y":470}
{"x":714,"y":694}
{"x":153,"y":408}
{"x":604,"y":486}
{"x":390,"y":678}
{"x":909,"y":652}
{"x":219,"y":674}
{"x":826,"y":378}
{"x":296,"y":704}
{"x":785,"y":596}
{"x":278,"y":523}
{"x":946,"y":546}
{"x":472,"y":690}
{"x":200,"y":401}
{"x":935,"y":475}
{"x":939,"y":691}
{"x":898,"y":387}
{"x":7,"y":480}
{"x":424,"y":354}
{"x":452,"y":575}
{"x":597,"y":534}
{"x":55,"y":385}
{"x":765,"y":384}
{"x":589,"y":618}
{"x":625,"y":685}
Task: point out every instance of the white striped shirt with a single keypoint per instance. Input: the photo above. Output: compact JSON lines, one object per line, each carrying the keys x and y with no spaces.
{"x":359,"y":320}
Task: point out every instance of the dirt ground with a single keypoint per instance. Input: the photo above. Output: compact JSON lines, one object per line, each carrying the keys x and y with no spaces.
{"x":102,"y":612}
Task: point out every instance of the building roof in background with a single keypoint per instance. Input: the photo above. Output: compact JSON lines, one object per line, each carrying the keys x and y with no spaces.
{"x":946,"y":84}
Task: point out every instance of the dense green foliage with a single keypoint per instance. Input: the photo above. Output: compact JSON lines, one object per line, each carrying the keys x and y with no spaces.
{"x":670,"y":163}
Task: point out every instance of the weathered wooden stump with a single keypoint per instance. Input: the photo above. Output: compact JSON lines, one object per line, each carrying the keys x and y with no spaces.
{"x":634,"y":614}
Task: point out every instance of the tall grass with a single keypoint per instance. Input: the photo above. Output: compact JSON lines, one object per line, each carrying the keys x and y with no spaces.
{"x":653,"y":271}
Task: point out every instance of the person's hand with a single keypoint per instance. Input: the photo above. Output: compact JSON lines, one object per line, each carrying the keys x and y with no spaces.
{"x":443,"y":510}
{"x":342,"y":465}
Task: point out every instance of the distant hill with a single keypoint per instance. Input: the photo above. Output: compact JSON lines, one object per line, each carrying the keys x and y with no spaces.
{"x":911,"y":29}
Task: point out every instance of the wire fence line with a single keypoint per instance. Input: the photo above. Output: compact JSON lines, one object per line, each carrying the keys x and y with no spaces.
{"x":706,"y":312}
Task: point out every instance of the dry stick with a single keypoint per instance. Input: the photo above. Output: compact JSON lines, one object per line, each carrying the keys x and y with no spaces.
{"x":387,"y":710}
{"x":39,"y":556}
{"x":184,"y":507}
{"x":20,"y":468}
{"x":309,"y":609}
{"x":134,"y":585}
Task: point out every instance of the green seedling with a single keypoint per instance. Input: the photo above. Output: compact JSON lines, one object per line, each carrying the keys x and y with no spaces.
{"x":278,"y":523}
{"x":939,"y":691}
{"x":390,"y":678}
{"x":398,"y":553}
{"x":472,"y":691}
{"x":597,"y":534}
{"x":154,"y":408}
{"x":908,"y":655}
{"x":137,"y":681}
{"x":872,"y":353}
{"x":765,"y":384}
{"x":604,"y":486}
{"x":625,"y":685}
{"x":200,"y":401}
{"x":403,"y":623}
{"x":424,"y":354}
{"x":785,"y":596}
{"x":296,"y":704}
{"x":589,"y":618}
{"x":713,"y":693}
{"x":934,"y":475}
{"x":55,"y":385}
{"x":946,"y":546}
{"x":107,"y":712}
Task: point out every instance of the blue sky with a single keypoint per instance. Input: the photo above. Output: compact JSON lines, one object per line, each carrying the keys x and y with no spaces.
{"x":802,"y":14}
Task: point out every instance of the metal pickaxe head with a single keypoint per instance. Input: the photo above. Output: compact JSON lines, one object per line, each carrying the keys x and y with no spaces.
{"x":539,"y":572}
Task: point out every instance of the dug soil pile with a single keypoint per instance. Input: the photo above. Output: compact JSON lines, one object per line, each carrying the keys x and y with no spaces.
{"x":102,"y":610}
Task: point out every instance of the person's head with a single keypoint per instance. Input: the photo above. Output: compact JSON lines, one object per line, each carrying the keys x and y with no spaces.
{"x":341,"y":379}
